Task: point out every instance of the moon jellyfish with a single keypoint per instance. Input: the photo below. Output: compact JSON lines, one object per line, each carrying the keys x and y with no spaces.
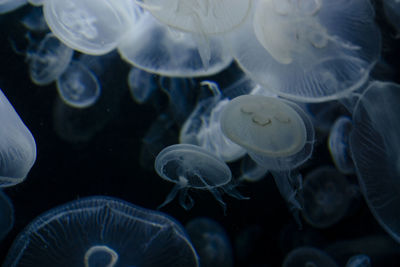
{"x":78,"y":86}
{"x":49,"y":60}
{"x":141,"y":84}
{"x":360,"y":260}
{"x":277,"y":135}
{"x":327,"y":196}
{"x":89,"y":26}
{"x":338,"y":144}
{"x":211,"y":242}
{"x":202,"y":127}
{"x":10,"y":5}
{"x":6,"y":215}
{"x":17,"y":146}
{"x":375,"y":149}
{"x":308,"y":257}
{"x":102,"y":231}
{"x":192,"y":167}
{"x":309,"y":50}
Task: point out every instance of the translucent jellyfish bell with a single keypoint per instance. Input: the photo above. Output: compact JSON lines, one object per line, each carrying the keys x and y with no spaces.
{"x":308,"y":256}
{"x":141,"y":84}
{"x":192,"y":167}
{"x":360,"y":260}
{"x":102,"y":231}
{"x":17,"y":146}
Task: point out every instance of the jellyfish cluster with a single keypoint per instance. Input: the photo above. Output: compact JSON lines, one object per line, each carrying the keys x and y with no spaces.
{"x":200,"y":133}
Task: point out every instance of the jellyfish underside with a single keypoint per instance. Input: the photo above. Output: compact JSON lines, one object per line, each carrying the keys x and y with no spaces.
{"x":100,"y":256}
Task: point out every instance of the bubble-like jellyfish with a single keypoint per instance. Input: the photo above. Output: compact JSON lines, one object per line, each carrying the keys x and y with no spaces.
{"x":141,"y":84}
{"x":102,"y":231}
{"x":309,"y":50}
{"x":202,"y":127}
{"x":6,"y":215}
{"x":210,"y":241}
{"x":360,"y":260}
{"x":308,"y":256}
{"x":392,"y":11}
{"x":277,"y":135}
{"x":375,"y":149}
{"x":17,"y":146}
{"x":338,"y":144}
{"x":327,"y":196}
{"x":10,"y":5}
{"x":49,"y":60}
{"x":78,"y":86}
{"x":90,"y":26}
{"x":192,"y":167}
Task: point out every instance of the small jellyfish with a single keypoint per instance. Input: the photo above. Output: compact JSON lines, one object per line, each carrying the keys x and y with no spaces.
{"x":308,"y":257}
{"x":338,"y":144}
{"x":17,"y":146}
{"x":360,"y":260}
{"x":49,"y":60}
{"x":102,"y":231}
{"x":192,"y":167}
{"x":327,"y":196}
{"x":141,"y":84}
{"x":6,"y":215}
{"x":10,"y":5}
{"x":78,"y":86}
{"x":210,"y":241}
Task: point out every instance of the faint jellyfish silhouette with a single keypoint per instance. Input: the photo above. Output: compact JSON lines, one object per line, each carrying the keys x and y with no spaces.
{"x":251,"y":171}
{"x":277,"y":135}
{"x":10,"y":5}
{"x":141,"y":84}
{"x":327,"y":196}
{"x":17,"y":146}
{"x":49,"y":60}
{"x":392,"y":11}
{"x":338,"y":144}
{"x":210,"y":241}
{"x":34,"y":20}
{"x":78,"y":86}
{"x":192,"y":167}
{"x":360,"y":260}
{"x":102,"y":231}
{"x":375,"y":149}
{"x":308,"y":257}
{"x":6,"y":215}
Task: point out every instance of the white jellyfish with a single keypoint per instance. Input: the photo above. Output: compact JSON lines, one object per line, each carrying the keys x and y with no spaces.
{"x":141,"y":84}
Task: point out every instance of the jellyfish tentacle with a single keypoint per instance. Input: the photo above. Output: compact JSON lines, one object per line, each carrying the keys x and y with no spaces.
{"x":172,"y":194}
{"x":185,"y":200}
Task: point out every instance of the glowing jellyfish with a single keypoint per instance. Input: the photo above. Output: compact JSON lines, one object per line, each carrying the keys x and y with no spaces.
{"x":141,"y":84}
{"x":210,"y":241}
{"x":10,"y":5}
{"x":90,"y":26}
{"x":78,"y":86}
{"x":338,"y":144}
{"x":312,"y":50}
{"x":6,"y":215}
{"x":17,"y":146}
{"x":308,"y":256}
{"x":192,"y":167}
{"x":49,"y":60}
{"x":375,"y":149}
{"x":327,"y":196}
{"x":102,"y":231}
{"x":277,"y":135}
{"x":359,"y":260}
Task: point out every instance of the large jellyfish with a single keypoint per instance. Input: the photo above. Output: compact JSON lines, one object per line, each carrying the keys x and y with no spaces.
{"x":102,"y":231}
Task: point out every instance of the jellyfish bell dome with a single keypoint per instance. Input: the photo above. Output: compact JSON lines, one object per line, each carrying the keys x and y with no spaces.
{"x":308,"y":256}
{"x":102,"y":230}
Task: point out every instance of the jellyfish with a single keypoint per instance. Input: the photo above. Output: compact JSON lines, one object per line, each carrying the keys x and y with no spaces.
{"x":192,"y":167}
{"x":78,"y":86}
{"x":309,"y":51}
{"x":360,"y":260}
{"x":277,"y":135}
{"x":10,"y":5}
{"x":17,"y":146}
{"x":327,"y":197}
{"x":89,"y":26}
{"x":6,"y":215}
{"x":49,"y":60}
{"x":392,"y":11}
{"x":308,"y":256}
{"x":251,"y":171}
{"x":102,"y":231}
{"x":210,"y":241}
{"x":338,"y":144}
{"x":375,"y":149}
{"x":141,"y":84}
{"x":34,"y":20}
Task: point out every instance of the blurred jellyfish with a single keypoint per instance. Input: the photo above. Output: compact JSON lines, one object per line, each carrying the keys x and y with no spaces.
{"x":277,"y":135}
{"x":141,"y":84}
{"x":102,"y":231}
{"x":78,"y":86}
{"x":359,"y":260}
{"x":251,"y":171}
{"x":392,"y":11}
{"x":375,"y":149}
{"x":17,"y":146}
{"x":10,"y":5}
{"x":323,"y":115}
{"x":338,"y":144}
{"x":192,"y":167}
{"x":202,"y":127}
{"x":89,"y":26}
{"x":6,"y":215}
{"x":49,"y":60}
{"x":308,"y":257}
{"x":34,"y":20}
{"x":311,"y":51}
{"x":211,"y":242}
{"x":327,"y":196}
